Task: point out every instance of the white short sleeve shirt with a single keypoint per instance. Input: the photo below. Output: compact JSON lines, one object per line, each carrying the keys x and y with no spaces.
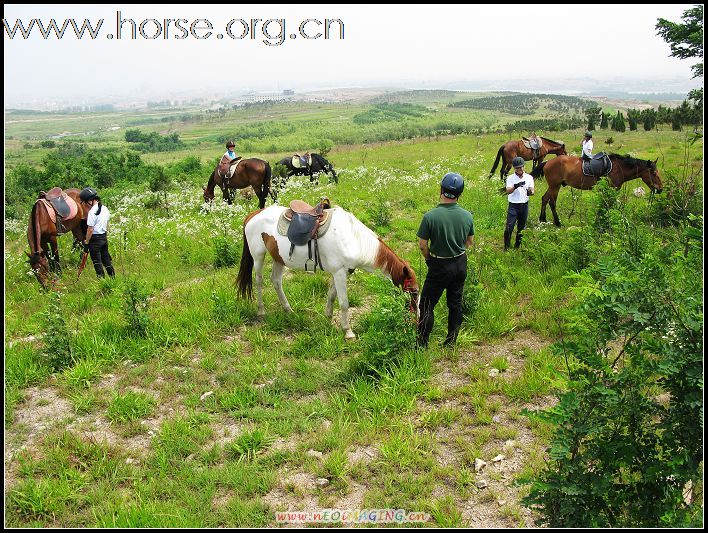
{"x":520,"y":195}
{"x":100,"y":221}
{"x":587,"y":147}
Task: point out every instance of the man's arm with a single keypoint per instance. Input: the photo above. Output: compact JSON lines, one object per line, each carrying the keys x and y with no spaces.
{"x":423,"y":245}
{"x":468,"y":242}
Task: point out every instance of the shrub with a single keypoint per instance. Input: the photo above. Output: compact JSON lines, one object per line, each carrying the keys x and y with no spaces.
{"x":57,"y":340}
{"x":226,"y":252}
{"x":135,"y":305}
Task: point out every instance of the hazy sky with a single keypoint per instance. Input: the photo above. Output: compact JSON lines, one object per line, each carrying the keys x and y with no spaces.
{"x":382,"y":44}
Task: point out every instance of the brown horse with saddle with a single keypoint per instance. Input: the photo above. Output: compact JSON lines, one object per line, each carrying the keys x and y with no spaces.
{"x":534,"y":149}
{"x":238,"y":175}
{"x":573,"y":171}
{"x":54,"y":213}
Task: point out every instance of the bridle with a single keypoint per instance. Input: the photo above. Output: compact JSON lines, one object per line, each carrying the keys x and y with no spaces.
{"x":411,"y":288}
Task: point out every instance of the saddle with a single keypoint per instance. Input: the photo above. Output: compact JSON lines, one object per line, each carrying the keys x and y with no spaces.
{"x":226,"y":170}
{"x":534,"y":144}
{"x":599,"y":165}
{"x":306,"y":224}
{"x":302,"y":161}
{"x":63,"y":207}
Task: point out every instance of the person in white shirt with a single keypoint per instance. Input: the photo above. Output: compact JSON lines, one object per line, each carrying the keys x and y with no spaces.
{"x":96,"y":242}
{"x":230,"y":155}
{"x":586,"y":152}
{"x":519,"y":186}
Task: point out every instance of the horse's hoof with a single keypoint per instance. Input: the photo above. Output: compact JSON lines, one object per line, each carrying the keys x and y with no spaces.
{"x":349,"y":336}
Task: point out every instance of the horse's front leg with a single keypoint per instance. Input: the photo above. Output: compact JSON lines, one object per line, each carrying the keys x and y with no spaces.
{"x":340,"y":283}
{"x":54,"y":263}
{"x":544,"y":201}
{"x":276,"y":276}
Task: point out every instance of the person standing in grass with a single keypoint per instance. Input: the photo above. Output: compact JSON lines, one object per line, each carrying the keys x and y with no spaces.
{"x":586,"y":147}
{"x":519,"y":186}
{"x":443,"y":236}
{"x":96,"y":242}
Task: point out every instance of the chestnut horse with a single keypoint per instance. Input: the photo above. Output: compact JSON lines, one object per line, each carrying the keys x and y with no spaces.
{"x":567,"y":170}
{"x":348,"y":244}
{"x":42,"y":232}
{"x":511,"y":149}
{"x":253,"y":172}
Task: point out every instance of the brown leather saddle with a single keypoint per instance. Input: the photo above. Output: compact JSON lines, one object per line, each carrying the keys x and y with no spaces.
{"x":63,"y":207}
{"x":304,"y":227}
{"x":534,"y":144}
{"x":226,"y":170}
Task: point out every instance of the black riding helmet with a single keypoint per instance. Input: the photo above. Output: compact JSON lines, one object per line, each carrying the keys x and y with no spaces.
{"x":87,"y":194}
{"x":452,"y":185}
{"x":517,"y":162}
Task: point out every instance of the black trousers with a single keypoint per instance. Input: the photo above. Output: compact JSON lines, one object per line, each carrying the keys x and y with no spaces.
{"x":98,"y":248}
{"x":516,"y":214}
{"x":443,"y":274}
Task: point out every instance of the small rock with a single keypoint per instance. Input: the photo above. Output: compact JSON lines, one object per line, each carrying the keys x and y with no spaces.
{"x":481,"y":484}
{"x":501,"y":503}
{"x":479,"y":465}
{"x":498,"y":458}
{"x":493,"y":373}
{"x":322,"y":482}
{"x":206,"y":395}
{"x":509,"y":443}
{"x":496,"y":419}
{"x":314,"y":453}
{"x":129,"y":461}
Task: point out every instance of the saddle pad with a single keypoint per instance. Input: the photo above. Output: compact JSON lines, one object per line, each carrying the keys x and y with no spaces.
{"x":65,"y":206}
{"x":297,"y":161}
{"x":284,"y":223}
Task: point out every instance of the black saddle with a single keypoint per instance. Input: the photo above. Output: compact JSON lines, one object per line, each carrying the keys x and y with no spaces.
{"x":57,"y":198}
{"x":305,"y":222}
{"x":599,"y":165}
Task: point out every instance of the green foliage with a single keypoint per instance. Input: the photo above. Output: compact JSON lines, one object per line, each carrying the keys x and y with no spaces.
{"x":472,"y":292}
{"x":380,"y":216}
{"x":593,"y":114}
{"x":390,"y":331}
{"x":620,"y":456}
{"x":226,"y":252}
{"x":249,"y":445}
{"x":618,"y":123}
{"x":153,"y":142}
{"x":57,"y":339}
{"x":605,"y":203}
{"x":604,"y":121}
{"x":385,"y":112}
{"x":686,"y":39}
{"x":130,"y":406}
{"x":135,"y":306}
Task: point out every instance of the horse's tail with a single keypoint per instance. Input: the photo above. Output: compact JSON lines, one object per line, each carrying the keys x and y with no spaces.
{"x":244,"y":280}
{"x":496,"y":161}
{"x":538,"y":171}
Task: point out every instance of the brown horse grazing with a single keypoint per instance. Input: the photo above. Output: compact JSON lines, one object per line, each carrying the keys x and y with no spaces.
{"x":253,"y":172}
{"x":41,"y":231}
{"x":511,"y":149}
{"x":567,"y":170}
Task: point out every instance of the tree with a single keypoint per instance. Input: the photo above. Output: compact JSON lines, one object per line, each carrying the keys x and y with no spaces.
{"x":633,"y":115}
{"x":593,"y":114}
{"x":686,"y":40}
{"x":618,"y":122}
{"x":604,"y":121}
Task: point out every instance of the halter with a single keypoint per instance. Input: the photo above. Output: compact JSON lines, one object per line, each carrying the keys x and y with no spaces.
{"x":409,"y":287}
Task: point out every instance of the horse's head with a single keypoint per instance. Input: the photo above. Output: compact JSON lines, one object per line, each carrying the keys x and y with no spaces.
{"x":410,"y":285}
{"x":40,"y":266}
{"x":561,"y":150}
{"x":650,"y":176}
{"x":208,"y":194}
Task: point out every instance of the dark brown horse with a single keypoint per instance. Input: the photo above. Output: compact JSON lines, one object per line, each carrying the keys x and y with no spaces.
{"x":42,"y":233}
{"x":511,"y":149}
{"x":319,"y":164}
{"x":253,"y":172}
{"x":567,"y":170}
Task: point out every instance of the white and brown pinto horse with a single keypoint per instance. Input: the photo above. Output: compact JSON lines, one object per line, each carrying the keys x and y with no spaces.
{"x":347,"y":245}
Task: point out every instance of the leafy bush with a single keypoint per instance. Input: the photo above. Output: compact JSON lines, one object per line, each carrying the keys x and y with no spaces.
{"x":226,"y":252}
{"x":57,"y":340}
{"x":135,"y":305}
{"x":620,"y":455}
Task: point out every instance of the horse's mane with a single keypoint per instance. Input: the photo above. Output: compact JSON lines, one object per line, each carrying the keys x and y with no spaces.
{"x":390,"y":263}
{"x":554,"y":142}
{"x":633,"y":161}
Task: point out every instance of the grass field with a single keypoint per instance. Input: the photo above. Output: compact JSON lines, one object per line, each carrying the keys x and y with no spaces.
{"x":213,"y":419}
